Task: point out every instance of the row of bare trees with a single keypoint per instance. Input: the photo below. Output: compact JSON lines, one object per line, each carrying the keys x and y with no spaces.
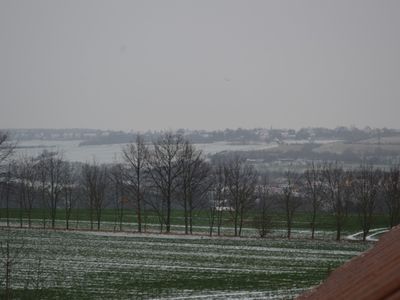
{"x":323,"y":187}
{"x":333,"y":188}
{"x":40,"y":181}
{"x":171,"y":175}
{"x":168,"y":175}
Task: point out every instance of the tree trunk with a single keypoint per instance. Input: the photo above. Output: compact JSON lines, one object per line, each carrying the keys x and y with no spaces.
{"x":313,"y":223}
{"x":185,"y":211}
{"x":338,"y":231}
{"x":139,"y":214}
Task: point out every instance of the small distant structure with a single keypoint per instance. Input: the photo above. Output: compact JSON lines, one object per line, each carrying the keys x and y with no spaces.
{"x":224,"y":205}
{"x":220,"y":205}
{"x":224,"y":208}
{"x":373,"y":275}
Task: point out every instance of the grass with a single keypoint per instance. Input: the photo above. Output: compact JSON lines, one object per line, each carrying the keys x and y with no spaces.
{"x":80,"y":217}
{"x":101,"y":265}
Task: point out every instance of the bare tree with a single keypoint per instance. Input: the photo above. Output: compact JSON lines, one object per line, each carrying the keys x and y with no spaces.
{"x":101,"y":186}
{"x":136,"y":157}
{"x":262,"y":218}
{"x":165,"y":169}
{"x":240,"y":182}
{"x":7,"y":186}
{"x":391,"y":187}
{"x":337,"y":191}
{"x":95,"y":183}
{"x":212,"y":210}
{"x":366,"y":185}
{"x":194,"y":182}
{"x":27,"y":175}
{"x":217,"y":199}
{"x":291,"y":198}
{"x":88,"y":182}
{"x":156,"y":205}
{"x":43,"y":180}
{"x":19,"y":191}
{"x":53,"y":166}
{"x":313,"y":185}
{"x":6,"y":147}
{"x":116,"y":174}
{"x":70,"y":191}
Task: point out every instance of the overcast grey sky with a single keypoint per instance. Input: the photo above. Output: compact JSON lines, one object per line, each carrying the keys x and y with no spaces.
{"x":199,"y":64}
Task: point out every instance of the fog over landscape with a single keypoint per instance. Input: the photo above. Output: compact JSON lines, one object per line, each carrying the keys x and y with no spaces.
{"x":199,"y":64}
{"x":199,"y":149}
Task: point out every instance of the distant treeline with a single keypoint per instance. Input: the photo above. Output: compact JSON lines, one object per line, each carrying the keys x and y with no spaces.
{"x":305,"y":152}
{"x":239,"y":135}
{"x":256,"y":135}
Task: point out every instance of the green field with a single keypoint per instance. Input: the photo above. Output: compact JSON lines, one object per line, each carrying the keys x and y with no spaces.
{"x":109,"y":264}
{"x":104,"y":265}
{"x":325,"y":222}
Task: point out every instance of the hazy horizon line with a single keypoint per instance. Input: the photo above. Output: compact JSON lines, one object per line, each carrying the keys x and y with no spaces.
{"x":127,"y":130}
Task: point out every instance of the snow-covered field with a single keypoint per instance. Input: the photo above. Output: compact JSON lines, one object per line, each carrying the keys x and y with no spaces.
{"x":111,"y":152}
{"x":106,"y":265}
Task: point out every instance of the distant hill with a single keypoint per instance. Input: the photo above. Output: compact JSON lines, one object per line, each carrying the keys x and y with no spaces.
{"x":237,"y":136}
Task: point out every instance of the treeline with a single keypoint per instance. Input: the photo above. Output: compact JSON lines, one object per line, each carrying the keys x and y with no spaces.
{"x":239,"y":135}
{"x":172,"y":175}
{"x":349,"y":134}
{"x":244,"y":136}
{"x":306,"y":152}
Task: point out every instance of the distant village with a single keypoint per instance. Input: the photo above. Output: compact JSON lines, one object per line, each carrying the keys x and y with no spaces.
{"x":239,"y":135}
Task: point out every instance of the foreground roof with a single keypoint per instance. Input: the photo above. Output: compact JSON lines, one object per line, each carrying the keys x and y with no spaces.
{"x":375,"y":274}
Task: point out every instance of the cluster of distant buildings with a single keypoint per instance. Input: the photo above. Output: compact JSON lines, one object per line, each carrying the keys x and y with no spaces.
{"x":56,"y":134}
{"x":239,"y":135}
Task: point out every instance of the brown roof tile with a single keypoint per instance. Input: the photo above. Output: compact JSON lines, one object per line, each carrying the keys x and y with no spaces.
{"x":375,"y":274}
